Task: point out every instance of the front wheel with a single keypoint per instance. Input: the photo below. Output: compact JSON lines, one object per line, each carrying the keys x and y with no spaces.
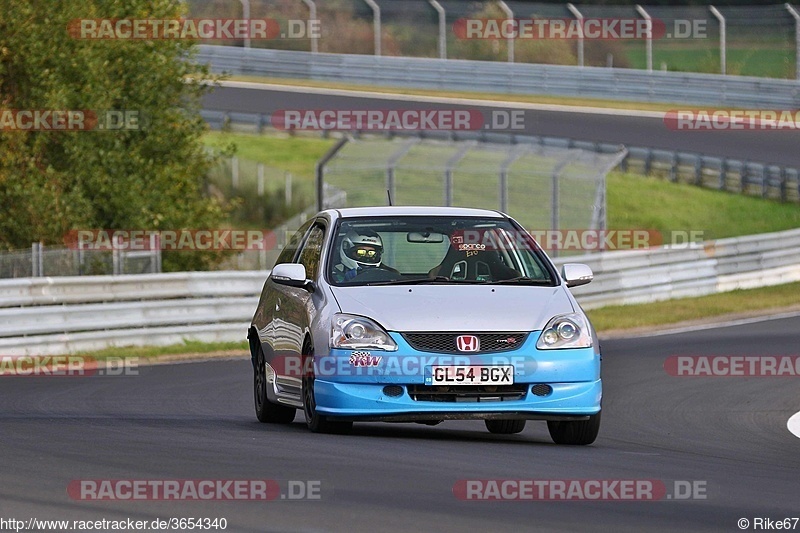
{"x":316,"y":422}
{"x":267,"y":411}
{"x":579,"y":432}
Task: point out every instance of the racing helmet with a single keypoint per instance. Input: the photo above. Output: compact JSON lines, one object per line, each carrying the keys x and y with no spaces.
{"x":361,"y":249}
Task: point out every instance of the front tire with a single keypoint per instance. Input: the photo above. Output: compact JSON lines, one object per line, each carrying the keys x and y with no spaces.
{"x":505,"y":427}
{"x":266,"y":411}
{"x":580,"y":432}
{"x":316,"y":422}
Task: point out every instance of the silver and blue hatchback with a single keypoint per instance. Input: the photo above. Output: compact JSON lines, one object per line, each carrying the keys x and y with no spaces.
{"x":424,"y":314}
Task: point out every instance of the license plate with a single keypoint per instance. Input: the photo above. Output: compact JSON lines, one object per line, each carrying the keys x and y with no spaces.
{"x":472,"y":375}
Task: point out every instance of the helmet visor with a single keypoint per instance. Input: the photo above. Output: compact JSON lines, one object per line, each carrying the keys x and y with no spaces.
{"x":366,"y":254}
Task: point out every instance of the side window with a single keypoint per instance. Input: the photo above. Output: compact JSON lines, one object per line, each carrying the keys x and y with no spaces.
{"x":287,"y":254}
{"x":312,"y":250}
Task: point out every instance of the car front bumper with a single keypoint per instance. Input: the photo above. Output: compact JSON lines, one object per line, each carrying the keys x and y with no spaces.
{"x":345,"y":391}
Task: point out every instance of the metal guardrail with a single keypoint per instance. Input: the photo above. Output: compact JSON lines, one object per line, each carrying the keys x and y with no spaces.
{"x":65,"y":314}
{"x":22,"y":292}
{"x":640,"y":276}
{"x":507,"y":78}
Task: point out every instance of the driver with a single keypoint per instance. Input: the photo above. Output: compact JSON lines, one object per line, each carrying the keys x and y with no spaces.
{"x":360,"y":250}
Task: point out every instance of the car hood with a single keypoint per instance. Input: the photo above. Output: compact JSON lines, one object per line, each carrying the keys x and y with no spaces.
{"x":456,"y":308}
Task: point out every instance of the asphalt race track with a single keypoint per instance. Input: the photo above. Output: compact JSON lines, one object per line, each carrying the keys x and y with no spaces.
{"x":774,"y":147}
{"x":196,"y":421}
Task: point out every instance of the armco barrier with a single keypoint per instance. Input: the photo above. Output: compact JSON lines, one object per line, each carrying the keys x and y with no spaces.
{"x":507,"y":78}
{"x":640,"y":276}
{"x":73,"y":314}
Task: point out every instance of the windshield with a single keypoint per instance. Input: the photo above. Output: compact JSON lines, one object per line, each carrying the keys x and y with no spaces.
{"x":422,"y":249}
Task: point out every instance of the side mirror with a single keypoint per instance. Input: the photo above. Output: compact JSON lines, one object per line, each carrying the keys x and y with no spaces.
{"x":576,"y":274}
{"x":293,"y":275}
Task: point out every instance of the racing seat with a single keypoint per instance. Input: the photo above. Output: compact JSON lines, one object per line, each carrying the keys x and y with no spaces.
{"x":484,"y":264}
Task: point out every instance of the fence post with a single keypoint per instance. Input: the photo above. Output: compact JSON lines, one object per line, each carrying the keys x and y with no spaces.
{"x":288,"y":188}
{"x":376,"y":24}
{"x":515,"y":154}
{"x":320,"y":171}
{"x":442,"y":28}
{"x":722,"y":39}
{"x":158,"y":253}
{"x":783,"y":183}
{"x":391,"y":163}
{"x":648,"y":162}
{"x":448,"y":173}
{"x":234,"y":172}
{"x":743,"y":177}
{"x":246,"y":16}
{"x":698,"y":170}
{"x":649,"y":45}
{"x":554,"y":200}
{"x":579,"y":16}
{"x":260,"y":178}
{"x":673,"y":169}
{"x":796,"y":16}
{"x":35,"y":253}
{"x":116,"y":260}
{"x":510,"y":40}
{"x":312,"y":15}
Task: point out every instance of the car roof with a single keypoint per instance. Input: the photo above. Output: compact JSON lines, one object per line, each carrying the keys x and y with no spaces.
{"x":410,"y":210}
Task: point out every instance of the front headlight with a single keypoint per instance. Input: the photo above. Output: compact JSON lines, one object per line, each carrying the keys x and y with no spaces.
{"x":350,"y":332}
{"x":565,"y":331}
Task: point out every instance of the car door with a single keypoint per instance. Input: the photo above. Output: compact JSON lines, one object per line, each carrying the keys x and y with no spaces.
{"x":294,"y":309}
{"x":264,"y":318}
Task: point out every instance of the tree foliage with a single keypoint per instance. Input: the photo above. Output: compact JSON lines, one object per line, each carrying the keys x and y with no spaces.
{"x":55,"y":181}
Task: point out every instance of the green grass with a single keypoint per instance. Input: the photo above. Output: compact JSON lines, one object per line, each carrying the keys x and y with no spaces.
{"x":636,"y":202}
{"x":149,"y":352}
{"x":770,"y":61}
{"x":672,"y":311}
{"x":298,"y":155}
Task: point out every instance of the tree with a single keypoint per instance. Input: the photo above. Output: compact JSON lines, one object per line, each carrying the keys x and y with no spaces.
{"x":52,"y":182}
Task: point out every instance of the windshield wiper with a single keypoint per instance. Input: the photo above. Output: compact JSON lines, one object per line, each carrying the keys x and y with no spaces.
{"x":522,"y":280}
{"x":421,"y":281}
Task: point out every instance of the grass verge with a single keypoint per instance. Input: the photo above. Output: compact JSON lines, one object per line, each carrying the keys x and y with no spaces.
{"x":498,"y":97}
{"x":738,"y":302}
{"x":638,"y":202}
{"x":298,"y":155}
{"x":154,"y":352}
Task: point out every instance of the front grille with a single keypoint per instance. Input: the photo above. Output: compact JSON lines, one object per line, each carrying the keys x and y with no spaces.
{"x":467,"y":393}
{"x":446,"y":342}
